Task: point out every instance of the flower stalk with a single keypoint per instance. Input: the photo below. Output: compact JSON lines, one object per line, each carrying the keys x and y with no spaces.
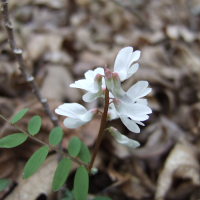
{"x":101,"y":129}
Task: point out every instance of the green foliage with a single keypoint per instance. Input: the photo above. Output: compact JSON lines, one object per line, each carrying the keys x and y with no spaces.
{"x":69,"y":195}
{"x":84,"y":153}
{"x":19,"y":115}
{"x":35,"y":161}
{"x":4,"y":184}
{"x":55,"y":136}
{"x":81,"y":183}
{"x":74,"y":146}
{"x":12,"y":140}
{"x":34,"y":125}
{"x":61,"y":173}
{"x":102,"y":198}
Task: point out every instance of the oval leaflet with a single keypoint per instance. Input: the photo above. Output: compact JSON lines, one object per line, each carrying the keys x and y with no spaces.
{"x":61,"y":173}
{"x":19,"y":115}
{"x":34,"y":125}
{"x":12,"y":140}
{"x":74,"y":146}
{"x":35,"y":161}
{"x":81,"y":183}
{"x":55,"y":136}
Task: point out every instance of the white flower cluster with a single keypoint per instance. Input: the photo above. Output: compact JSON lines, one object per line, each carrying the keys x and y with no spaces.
{"x":129,"y":106}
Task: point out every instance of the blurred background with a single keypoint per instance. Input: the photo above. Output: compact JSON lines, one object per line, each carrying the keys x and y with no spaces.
{"x":61,"y":40}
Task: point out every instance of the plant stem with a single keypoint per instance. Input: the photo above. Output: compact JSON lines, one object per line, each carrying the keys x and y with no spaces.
{"x":50,"y":146}
{"x":101,"y":129}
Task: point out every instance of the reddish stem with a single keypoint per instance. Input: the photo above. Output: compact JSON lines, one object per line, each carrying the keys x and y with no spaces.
{"x":101,"y":129}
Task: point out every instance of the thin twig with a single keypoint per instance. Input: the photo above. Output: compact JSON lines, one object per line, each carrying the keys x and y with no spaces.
{"x":134,"y":12}
{"x":50,"y":146}
{"x":29,"y":78}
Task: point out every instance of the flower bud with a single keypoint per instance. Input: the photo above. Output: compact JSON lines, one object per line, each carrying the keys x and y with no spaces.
{"x":122,"y":139}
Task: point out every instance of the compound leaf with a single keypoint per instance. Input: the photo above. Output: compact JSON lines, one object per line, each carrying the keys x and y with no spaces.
{"x":35,"y":161}
{"x":12,"y":140}
{"x":74,"y":146}
{"x":55,"y":136}
{"x":61,"y":173}
{"x":84,"y":153}
{"x":81,"y":183}
{"x":34,"y":125}
{"x":19,"y":115}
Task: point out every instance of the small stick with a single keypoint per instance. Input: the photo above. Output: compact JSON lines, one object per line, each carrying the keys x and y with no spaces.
{"x":29,"y":78}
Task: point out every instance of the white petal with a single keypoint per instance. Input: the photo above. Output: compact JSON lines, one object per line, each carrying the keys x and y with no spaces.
{"x":132,"y":70}
{"x":112,"y":112}
{"x":73,"y":123}
{"x":99,"y":70}
{"x":73,"y":110}
{"x":122,"y":58}
{"x":130,"y":124}
{"x":85,"y":85}
{"x":89,"y":97}
{"x":122,"y":139}
{"x":139,"y":90}
{"x":142,"y":101}
{"x":89,"y":75}
{"x":134,"y":57}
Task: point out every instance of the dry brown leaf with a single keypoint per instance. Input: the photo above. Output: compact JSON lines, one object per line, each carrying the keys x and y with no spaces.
{"x":181,"y":163}
{"x":38,"y":184}
{"x":56,"y":85}
{"x":40,"y":43}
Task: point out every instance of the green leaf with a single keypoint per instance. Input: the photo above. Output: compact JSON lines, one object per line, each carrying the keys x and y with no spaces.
{"x":55,"y":136}
{"x":84,"y":153}
{"x":35,"y":161}
{"x":12,"y":140}
{"x":19,"y":115}
{"x":102,"y":198}
{"x":81,"y":183}
{"x":4,"y":184}
{"x":61,"y":174}
{"x":74,"y":146}
{"x":34,"y":125}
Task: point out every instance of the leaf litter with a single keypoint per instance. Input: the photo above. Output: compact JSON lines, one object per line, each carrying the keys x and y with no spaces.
{"x":60,"y":41}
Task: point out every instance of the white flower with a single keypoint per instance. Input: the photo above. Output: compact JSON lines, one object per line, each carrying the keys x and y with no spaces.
{"x":114,"y":86}
{"x":94,"y":83}
{"x":123,"y":62}
{"x":122,"y":139}
{"x":132,"y":114}
{"x":76,"y":113}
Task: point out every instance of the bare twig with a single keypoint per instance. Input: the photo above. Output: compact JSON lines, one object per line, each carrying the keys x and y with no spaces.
{"x":134,"y":12}
{"x":29,"y":78}
{"x":50,"y":146}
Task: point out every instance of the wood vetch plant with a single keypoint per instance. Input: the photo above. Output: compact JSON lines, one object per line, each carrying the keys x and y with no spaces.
{"x":129,"y":106}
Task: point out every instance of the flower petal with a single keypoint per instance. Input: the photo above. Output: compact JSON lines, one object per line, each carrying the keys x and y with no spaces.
{"x":112,"y":113}
{"x":134,"y":57}
{"x":130,"y":124}
{"x":122,"y":139}
{"x":121,"y":62}
{"x":89,"y":97}
{"x":132,"y":70}
{"x":73,"y":123}
{"x":139,"y":90}
{"x":73,"y":110}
